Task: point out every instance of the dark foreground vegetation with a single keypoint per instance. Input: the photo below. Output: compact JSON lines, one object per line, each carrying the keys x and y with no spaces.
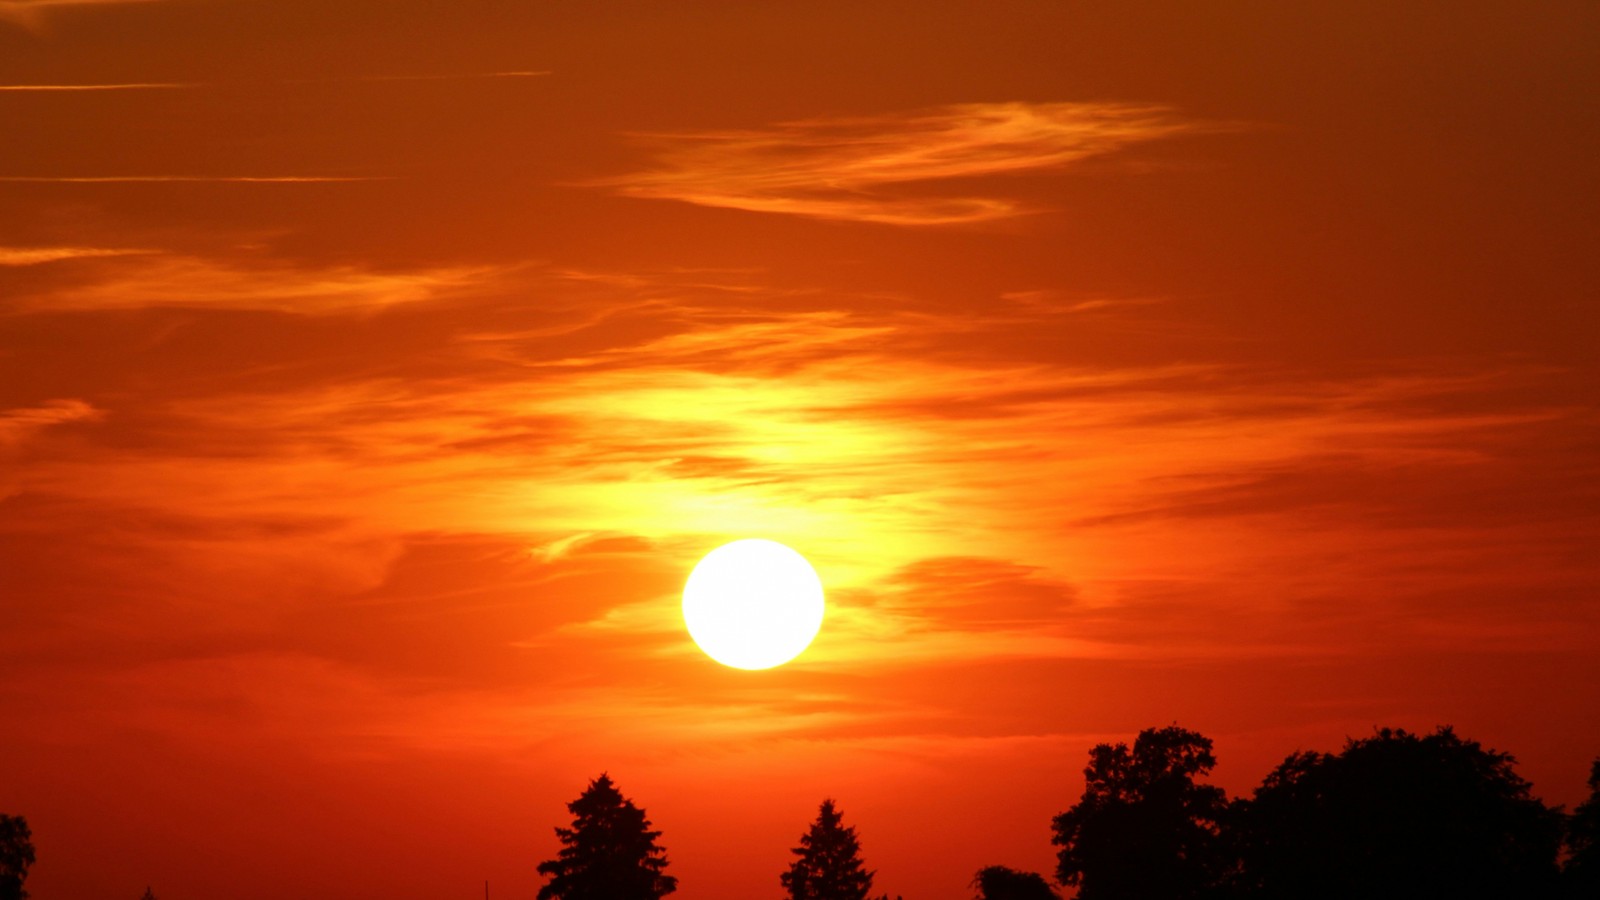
{"x":1396,"y":815}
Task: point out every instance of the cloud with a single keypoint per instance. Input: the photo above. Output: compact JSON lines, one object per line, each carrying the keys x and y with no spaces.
{"x":33,"y":256}
{"x":451,"y":76}
{"x":18,"y":424}
{"x":522,"y":489}
{"x":21,"y":426}
{"x":206,"y":179}
{"x":33,"y":14}
{"x":147,"y":279}
{"x":462,"y":525}
{"x":187,"y":85}
{"x":860,"y":168}
{"x":129,"y":86}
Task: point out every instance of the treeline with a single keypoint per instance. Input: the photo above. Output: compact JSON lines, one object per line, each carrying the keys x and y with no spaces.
{"x":1396,"y":815}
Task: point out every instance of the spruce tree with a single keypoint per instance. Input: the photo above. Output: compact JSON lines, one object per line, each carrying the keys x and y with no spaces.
{"x":829,"y":865}
{"x":609,"y":853}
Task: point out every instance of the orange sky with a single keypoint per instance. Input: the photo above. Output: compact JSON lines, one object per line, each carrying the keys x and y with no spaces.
{"x":371,"y":375}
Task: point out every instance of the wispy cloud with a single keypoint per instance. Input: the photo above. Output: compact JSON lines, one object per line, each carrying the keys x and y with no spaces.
{"x":20,"y":424}
{"x":185,"y":85}
{"x":129,"y":86}
{"x":53,"y":412}
{"x":245,"y":179}
{"x":525,"y":488}
{"x":33,"y":256}
{"x":31,"y":14}
{"x":859,"y":168}
{"x":453,"y":76}
{"x":156,"y":280}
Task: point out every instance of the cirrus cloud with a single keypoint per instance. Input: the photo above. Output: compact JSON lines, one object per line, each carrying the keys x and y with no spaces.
{"x":856,"y":168}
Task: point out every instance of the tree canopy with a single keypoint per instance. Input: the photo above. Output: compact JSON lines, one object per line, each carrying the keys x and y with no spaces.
{"x":16,"y":855}
{"x":1582,"y":874}
{"x":609,"y":853}
{"x":1398,"y":815}
{"x":829,"y":862}
{"x":1143,"y":827}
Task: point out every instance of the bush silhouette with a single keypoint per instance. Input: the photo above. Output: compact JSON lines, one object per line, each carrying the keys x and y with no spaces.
{"x":1001,"y":883}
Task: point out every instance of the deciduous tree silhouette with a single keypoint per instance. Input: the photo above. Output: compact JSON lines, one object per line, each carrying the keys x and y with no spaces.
{"x":16,"y":855}
{"x":1143,"y":828}
{"x":829,"y":865}
{"x":1582,"y":872}
{"x":609,"y":853}
{"x":1398,"y":816}
{"x":1001,"y":883}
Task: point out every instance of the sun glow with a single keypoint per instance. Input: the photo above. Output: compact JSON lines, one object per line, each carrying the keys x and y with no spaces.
{"x":753,"y":604}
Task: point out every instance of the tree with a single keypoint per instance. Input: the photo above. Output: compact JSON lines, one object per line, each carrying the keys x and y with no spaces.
{"x":1001,"y":883}
{"x":1582,"y":872}
{"x":829,"y":865}
{"x":148,"y":894}
{"x":1143,"y":827}
{"x":1398,"y":815}
{"x":16,"y":855}
{"x":609,"y":853}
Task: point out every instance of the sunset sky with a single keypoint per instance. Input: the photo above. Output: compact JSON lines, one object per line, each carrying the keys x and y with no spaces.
{"x":373,"y":373}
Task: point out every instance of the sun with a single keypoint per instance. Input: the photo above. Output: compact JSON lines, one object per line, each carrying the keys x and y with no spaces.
{"x":753,"y":604}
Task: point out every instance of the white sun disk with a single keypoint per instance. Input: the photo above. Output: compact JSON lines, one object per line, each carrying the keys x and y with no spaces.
{"x":753,"y":604}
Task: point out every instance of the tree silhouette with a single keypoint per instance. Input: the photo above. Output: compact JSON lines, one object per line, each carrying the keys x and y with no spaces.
{"x":1001,"y":883}
{"x":1582,"y":872}
{"x":1144,"y":828}
{"x":609,"y":853}
{"x":1398,"y":816}
{"x":16,"y":855}
{"x":148,"y":894}
{"x":829,"y":865}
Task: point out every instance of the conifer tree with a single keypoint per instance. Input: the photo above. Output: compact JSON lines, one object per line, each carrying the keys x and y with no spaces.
{"x":609,"y":853}
{"x":829,"y":865}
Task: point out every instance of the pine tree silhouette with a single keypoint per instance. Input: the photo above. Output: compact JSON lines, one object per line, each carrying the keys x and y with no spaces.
{"x":829,"y":865}
{"x":609,"y":853}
